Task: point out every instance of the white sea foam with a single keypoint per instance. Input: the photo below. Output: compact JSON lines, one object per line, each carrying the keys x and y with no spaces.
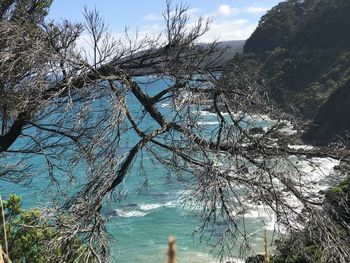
{"x":208,"y":123}
{"x":271,"y":225}
{"x":140,"y":210}
{"x":128,"y":214}
{"x":288,"y":130}
{"x":317,"y":173}
{"x":148,"y":207}
{"x":198,"y":257}
{"x":195,"y":257}
{"x":258,"y":211}
{"x":316,"y":177}
{"x":208,"y":113}
{"x":302,"y":147}
{"x":164,"y":105}
{"x":255,"y":117}
{"x":238,"y":260}
{"x":320,"y":166}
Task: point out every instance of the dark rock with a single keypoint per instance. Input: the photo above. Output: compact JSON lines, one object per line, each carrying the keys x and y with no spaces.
{"x":256,"y":130}
{"x":255,"y":259}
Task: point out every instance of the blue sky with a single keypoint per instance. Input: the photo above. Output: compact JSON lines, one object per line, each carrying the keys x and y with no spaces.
{"x":233,"y":19}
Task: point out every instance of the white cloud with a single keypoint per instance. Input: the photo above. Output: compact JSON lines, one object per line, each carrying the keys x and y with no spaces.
{"x":193,"y":11}
{"x":221,"y":30}
{"x":237,"y":29}
{"x":152,"y":17}
{"x":227,"y":25}
{"x":157,"y":17}
{"x":226,"y":10}
{"x":224,"y":27}
{"x":150,"y":30}
{"x":255,"y":10}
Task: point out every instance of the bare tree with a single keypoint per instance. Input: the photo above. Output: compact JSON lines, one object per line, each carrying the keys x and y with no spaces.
{"x":60,"y":108}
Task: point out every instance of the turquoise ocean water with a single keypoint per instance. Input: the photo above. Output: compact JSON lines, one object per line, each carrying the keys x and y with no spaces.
{"x":141,"y":223}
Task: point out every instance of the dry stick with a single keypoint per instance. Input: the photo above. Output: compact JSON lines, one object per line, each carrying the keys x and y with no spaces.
{"x":172,"y":250}
{"x":266,"y":256}
{"x":7,"y":260}
{"x":1,"y":258}
{"x":4,"y":226}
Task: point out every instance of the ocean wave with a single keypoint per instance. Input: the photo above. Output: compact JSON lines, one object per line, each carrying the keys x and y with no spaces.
{"x":138,"y":210}
{"x":148,"y":207}
{"x":127,"y":214}
{"x":208,"y":123}
{"x":258,"y":211}
{"x":164,"y":105}
{"x":208,"y":113}
{"x":302,"y":147}
{"x":316,"y":177}
{"x":199,"y":257}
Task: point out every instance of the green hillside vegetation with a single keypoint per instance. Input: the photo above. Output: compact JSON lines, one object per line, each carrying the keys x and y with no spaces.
{"x":305,"y":246}
{"x":31,"y":237}
{"x":304,"y":51}
{"x":332,"y":121}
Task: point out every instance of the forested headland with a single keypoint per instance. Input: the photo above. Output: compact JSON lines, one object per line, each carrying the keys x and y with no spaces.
{"x":303,"y":51}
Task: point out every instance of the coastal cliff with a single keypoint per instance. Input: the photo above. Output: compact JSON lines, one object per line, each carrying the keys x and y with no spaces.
{"x":303,"y":48}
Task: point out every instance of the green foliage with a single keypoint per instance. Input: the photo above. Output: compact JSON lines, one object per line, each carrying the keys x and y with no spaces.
{"x":337,"y":203}
{"x":302,"y":25}
{"x":303,"y":247}
{"x":287,"y":253}
{"x":332,"y":120}
{"x":341,"y":189}
{"x":304,"y":50}
{"x":30,"y":235}
{"x":24,"y":10}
